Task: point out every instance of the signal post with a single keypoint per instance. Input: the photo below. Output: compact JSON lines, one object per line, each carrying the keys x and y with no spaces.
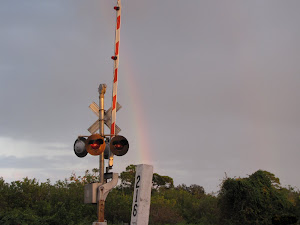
{"x":95,"y":144}
{"x":102,"y":90}
{"x":101,"y":201}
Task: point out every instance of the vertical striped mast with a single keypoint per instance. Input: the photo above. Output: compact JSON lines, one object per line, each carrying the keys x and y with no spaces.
{"x":115,"y":80}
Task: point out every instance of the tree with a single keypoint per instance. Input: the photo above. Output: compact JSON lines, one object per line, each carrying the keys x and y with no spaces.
{"x":164,"y":211}
{"x":128,"y":177}
{"x":118,"y":206}
{"x":194,"y":189}
{"x":257,"y":199}
{"x":254,"y":200}
{"x":159,"y":181}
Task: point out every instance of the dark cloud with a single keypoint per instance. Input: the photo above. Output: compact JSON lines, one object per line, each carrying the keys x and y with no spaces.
{"x":39,"y":162}
{"x":25,"y":162}
{"x":217,"y":82}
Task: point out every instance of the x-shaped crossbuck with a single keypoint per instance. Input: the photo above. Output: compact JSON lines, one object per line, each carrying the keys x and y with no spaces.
{"x":107,"y":118}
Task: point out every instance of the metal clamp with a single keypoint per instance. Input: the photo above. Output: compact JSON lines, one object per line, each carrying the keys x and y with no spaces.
{"x":104,"y":189}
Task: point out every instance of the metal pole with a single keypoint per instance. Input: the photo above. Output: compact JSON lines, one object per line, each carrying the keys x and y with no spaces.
{"x":102,"y":90}
{"x":101,"y":203}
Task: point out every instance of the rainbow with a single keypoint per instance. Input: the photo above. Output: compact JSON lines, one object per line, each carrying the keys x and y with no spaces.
{"x":138,"y":119}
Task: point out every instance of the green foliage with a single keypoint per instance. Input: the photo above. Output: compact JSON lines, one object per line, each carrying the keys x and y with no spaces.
{"x":118,"y":206}
{"x":257,"y":199}
{"x":164,"y":211}
{"x":31,"y":202}
{"x":159,"y":181}
{"x":128,"y":177}
{"x":183,"y":205}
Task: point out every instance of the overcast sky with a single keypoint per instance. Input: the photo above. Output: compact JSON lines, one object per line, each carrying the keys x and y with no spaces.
{"x":206,"y":87}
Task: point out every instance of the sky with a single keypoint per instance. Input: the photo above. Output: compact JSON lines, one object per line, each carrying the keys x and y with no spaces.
{"x":208,"y":88}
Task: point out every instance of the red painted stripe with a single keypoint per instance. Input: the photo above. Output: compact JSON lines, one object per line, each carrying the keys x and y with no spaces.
{"x":114,"y":102}
{"x":112,"y":129}
{"x":117,"y":48}
{"x":116,"y":75}
{"x":118,"y":22}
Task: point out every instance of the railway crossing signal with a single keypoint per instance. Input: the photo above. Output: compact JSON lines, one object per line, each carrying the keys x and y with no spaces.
{"x":119,"y":145}
{"x":107,"y":118}
{"x":95,"y":144}
{"x":79,"y":147}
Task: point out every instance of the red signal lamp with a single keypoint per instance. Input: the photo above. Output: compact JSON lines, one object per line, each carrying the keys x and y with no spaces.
{"x":95,"y":144}
{"x":119,"y":145}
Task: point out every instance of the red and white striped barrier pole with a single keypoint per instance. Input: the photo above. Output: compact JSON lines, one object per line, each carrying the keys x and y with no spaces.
{"x":115,"y":81}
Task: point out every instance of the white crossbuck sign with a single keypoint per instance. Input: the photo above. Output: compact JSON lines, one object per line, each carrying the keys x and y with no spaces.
{"x":107,"y":118}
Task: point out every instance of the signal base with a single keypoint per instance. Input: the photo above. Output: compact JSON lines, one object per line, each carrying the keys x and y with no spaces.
{"x":100,"y":223}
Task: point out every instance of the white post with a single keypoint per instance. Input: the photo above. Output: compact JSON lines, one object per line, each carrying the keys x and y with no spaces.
{"x":142,"y":195}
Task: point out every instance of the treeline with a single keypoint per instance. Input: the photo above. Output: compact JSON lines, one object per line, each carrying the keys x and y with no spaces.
{"x":258,"y":199}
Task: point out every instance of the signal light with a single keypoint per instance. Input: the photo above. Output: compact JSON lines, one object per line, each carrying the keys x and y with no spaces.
{"x":119,"y":145}
{"x":116,"y":8}
{"x":79,"y":147}
{"x":95,"y":144}
{"x":114,"y":57}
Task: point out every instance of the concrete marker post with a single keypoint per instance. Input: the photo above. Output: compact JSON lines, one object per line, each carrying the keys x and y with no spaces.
{"x":142,"y":195}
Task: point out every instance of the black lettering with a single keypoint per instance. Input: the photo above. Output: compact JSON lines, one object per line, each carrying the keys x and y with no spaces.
{"x":138,"y":178}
